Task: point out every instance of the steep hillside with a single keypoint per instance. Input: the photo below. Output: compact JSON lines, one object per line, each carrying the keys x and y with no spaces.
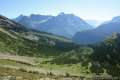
{"x":106,"y":56}
{"x":100,"y":33}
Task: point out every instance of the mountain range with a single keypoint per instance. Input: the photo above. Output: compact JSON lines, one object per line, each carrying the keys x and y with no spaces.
{"x":63,"y":24}
{"x":98,"y":34}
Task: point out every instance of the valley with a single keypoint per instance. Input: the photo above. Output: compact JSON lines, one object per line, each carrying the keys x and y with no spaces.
{"x":28,"y":54}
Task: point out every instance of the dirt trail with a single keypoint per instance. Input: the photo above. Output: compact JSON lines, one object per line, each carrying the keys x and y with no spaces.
{"x":35,"y":69}
{"x":29,"y":60}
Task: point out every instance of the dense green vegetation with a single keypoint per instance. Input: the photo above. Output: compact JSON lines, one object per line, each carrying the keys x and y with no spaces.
{"x":107,"y":55}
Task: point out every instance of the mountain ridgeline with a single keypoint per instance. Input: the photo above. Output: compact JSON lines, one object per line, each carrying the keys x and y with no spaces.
{"x":99,"y":34}
{"x":63,"y":24}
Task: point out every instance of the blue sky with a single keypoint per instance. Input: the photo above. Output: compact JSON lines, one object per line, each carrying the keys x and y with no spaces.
{"x":86,"y":9}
